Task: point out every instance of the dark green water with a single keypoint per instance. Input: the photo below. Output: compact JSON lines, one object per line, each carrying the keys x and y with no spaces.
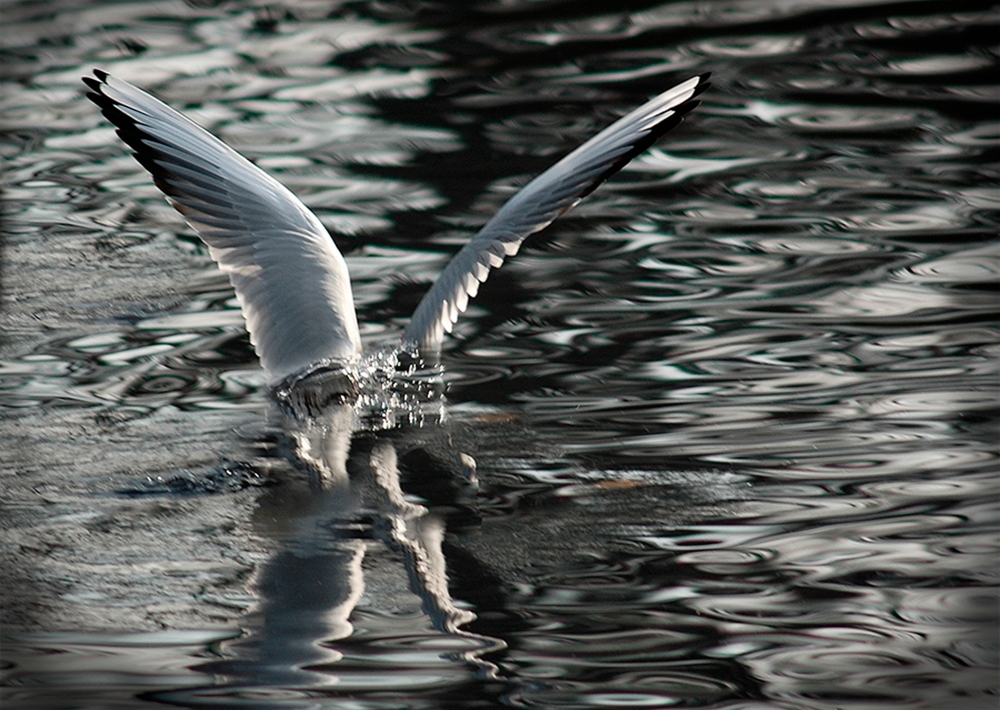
{"x":734,"y":418}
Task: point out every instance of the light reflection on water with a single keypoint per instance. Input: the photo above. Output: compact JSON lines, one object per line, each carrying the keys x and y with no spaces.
{"x":734,"y":417}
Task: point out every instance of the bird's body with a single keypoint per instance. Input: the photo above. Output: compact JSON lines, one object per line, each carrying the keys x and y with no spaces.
{"x":291,"y":281}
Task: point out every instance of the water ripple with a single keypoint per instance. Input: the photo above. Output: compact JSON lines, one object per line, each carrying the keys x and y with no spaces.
{"x":734,"y":417}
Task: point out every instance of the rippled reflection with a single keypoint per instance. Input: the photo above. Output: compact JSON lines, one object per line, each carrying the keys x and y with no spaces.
{"x":734,"y":417}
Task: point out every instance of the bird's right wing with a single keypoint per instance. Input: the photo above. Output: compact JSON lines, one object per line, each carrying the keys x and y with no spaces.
{"x":289,"y":277}
{"x":540,"y":202}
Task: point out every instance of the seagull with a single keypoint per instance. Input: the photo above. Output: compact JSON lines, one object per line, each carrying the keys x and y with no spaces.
{"x":290,"y":279}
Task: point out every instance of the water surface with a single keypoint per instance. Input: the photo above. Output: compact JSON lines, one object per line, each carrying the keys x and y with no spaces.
{"x":725,"y":436}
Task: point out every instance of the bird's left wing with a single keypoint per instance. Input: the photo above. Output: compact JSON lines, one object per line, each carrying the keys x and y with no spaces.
{"x":290,"y":279}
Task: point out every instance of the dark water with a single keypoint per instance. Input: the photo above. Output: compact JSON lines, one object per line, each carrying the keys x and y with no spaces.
{"x":734,"y":419}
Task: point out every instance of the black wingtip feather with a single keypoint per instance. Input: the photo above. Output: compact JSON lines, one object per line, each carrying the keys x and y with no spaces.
{"x":130,"y":133}
{"x":655,"y":133}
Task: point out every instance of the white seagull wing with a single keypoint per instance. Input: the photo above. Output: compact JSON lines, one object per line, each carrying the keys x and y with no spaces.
{"x":540,"y":202}
{"x":289,"y":277}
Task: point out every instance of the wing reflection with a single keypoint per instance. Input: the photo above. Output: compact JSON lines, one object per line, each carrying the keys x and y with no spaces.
{"x":349,"y":502}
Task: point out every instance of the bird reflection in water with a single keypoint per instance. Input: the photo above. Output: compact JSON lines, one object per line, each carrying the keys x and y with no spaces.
{"x":295,"y":295}
{"x":349,"y":500}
